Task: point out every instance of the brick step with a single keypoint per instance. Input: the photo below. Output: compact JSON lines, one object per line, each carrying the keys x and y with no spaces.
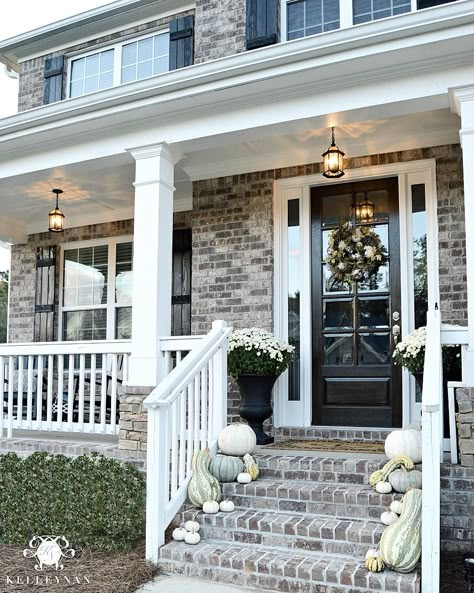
{"x":291,"y":531}
{"x":342,"y":470}
{"x":332,"y":434}
{"x":264,"y":568}
{"x":333,"y":500}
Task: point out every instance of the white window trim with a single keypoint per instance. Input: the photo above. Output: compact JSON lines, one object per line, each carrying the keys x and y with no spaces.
{"x":111,"y":305}
{"x":117,"y":47}
{"x":345,"y":16}
{"x":299,"y":413}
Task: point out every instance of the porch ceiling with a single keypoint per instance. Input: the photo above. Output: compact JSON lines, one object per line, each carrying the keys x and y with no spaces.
{"x":102,"y":190}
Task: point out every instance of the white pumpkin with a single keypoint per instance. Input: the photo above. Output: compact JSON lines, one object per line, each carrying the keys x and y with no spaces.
{"x":179,"y":534}
{"x":227,"y":506}
{"x":210,"y":507}
{"x":396,"y":507}
{"x":244,"y":478}
{"x":388,"y":517}
{"x":383,"y":487}
{"x":372,"y":553}
{"x":237,"y":440}
{"x":404,"y":442}
{"x":192,"y":526}
{"x":192,"y":537}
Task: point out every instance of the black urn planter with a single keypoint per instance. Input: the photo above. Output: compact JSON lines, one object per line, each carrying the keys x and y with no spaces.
{"x":256,"y":403}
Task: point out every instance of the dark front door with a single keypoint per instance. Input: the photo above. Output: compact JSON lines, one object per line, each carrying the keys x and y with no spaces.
{"x":354,"y":380}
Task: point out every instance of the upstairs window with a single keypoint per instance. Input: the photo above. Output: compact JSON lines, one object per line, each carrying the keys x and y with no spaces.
{"x":122,"y":63}
{"x":371,"y":10}
{"x":309,"y":17}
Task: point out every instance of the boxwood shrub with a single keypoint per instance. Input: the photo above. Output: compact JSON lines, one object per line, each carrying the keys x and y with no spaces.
{"x":91,"y":500}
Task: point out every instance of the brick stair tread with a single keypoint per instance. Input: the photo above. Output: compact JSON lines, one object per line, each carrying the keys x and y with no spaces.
{"x":326,"y":469}
{"x":351,"y":537}
{"x":267,"y":568}
{"x":305,"y":525}
{"x":310,"y":497}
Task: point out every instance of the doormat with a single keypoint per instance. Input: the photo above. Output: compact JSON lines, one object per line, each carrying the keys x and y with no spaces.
{"x":328,"y":445}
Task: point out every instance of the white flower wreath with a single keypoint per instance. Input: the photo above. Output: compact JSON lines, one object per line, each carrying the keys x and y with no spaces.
{"x":354,"y":253}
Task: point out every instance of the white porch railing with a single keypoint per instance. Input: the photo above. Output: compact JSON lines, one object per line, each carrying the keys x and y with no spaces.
{"x":62,"y":386}
{"x":432,"y":451}
{"x":186,"y":413}
{"x":175,"y":348}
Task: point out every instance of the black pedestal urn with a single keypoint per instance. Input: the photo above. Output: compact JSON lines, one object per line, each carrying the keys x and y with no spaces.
{"x":256,"y":403}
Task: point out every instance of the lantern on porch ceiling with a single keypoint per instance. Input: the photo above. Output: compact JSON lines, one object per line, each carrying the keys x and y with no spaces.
{"x":333,"y":160}
{"x":364,"y":212}
{"x":56,"y":217}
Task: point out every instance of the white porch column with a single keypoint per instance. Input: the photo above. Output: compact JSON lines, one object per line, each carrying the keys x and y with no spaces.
{"x":462,"y":103}
{"x":152,"y":261}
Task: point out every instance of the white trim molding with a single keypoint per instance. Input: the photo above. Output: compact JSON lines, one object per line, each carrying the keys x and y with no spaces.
{"x":299,"y":413}
{"x":462,"y":103}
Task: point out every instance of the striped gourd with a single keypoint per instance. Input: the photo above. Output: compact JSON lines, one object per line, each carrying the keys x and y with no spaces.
{"x":251,"y":466}
{"x":203,"y":486}
{"x":381,"y":475}
{"x":400,"y":545}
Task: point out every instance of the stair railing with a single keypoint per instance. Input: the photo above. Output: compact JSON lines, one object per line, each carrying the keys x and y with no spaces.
{"x":186,"y":413}
{"x":432,"y":452}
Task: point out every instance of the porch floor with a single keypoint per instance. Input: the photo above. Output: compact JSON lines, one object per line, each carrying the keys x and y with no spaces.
{"x":25,"y":442}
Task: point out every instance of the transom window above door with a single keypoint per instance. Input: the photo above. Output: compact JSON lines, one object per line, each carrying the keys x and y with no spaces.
{"x":124,"y":62}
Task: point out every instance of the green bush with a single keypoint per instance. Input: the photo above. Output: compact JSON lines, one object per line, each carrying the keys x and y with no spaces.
{"x":91,"y":500}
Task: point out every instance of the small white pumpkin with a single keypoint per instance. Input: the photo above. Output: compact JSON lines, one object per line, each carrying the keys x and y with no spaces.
{"x":237,"y":440}
{"x":388,"y":517}
{"x":227,"y":506}
{"x":383,"y":487}
{"x":210,"y":507}
{"x":192,"y":537}
{"x":244,"y":478}
{"x":372,"y":553}
{"x":179,"y":534}
{"x":406,"y":441}
{"x":396,"y":507}
{"x":192,"y":526}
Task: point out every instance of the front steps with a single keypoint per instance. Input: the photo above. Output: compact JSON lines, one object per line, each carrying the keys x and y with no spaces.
{"x":303,"y":527}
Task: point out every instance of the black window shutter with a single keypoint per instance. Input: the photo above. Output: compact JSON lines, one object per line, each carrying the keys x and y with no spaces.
{"x":262,"y":23}
{"x":53,"y":79}
{"x":181,"y":295}
{"x":429,"y":3}
{"x":45,"y":294}
{"x":181,"y":42}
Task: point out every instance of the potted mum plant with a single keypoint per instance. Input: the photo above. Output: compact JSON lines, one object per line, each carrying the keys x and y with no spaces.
{"x":410,"y":354}
{"x":256,"y":359}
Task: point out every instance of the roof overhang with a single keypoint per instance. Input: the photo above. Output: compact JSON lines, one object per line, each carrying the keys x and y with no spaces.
{"x":84,"y":26}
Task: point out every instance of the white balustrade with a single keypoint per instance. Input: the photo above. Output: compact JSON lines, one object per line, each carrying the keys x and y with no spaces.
{"x":432,"y":453}
{"x":62,"y":386}
{"x":186,"y":413}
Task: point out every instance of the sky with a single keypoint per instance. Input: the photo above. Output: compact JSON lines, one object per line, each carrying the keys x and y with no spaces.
{"x":18,"y":17}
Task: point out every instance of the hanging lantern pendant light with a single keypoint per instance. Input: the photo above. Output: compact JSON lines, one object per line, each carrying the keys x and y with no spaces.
{"x":364,"y":211}
{"x":56,"y":216}
{"x":333,"y":160}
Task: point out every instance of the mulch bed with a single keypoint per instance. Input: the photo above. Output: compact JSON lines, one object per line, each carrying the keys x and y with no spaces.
{"x":88,"y":572}
{"x":327,"y":445}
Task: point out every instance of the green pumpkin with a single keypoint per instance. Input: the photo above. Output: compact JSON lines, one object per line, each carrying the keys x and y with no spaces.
{"x":400,"y":545}
{"x":226,"y":468}
{"x":203,"y":486}
{"x":401,"y":480}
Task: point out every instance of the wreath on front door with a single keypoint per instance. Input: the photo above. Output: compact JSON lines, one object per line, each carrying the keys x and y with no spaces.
{"x":354,"y":253}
